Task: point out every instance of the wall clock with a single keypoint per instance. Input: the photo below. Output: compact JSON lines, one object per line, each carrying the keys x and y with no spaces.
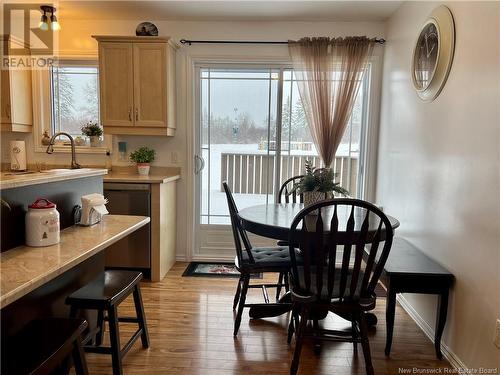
{"x":433,"y":53}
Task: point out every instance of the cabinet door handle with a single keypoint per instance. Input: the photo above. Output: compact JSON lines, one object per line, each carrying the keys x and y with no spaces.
{"x":7,"y":111}
{"x":130,"y":114}
{"x":136,"y":114}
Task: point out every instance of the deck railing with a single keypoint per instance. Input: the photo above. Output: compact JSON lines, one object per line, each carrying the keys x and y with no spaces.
{"x":253,"y":173}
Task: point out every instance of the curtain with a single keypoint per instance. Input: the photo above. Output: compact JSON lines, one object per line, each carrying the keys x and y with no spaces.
{"x":329,"y":72}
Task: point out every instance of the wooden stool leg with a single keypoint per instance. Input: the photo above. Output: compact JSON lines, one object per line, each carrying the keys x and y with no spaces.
{"x":114,"y":336}
{"x":79,"y":359}
{"x":139,"y":310}
{"x":72,"y":311}
{"x":100,"y":325}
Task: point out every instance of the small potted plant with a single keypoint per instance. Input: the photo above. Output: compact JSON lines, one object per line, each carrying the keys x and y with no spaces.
{"x":143,"y":157}
{"x":317,"y":185}
{"x":94,"y":132}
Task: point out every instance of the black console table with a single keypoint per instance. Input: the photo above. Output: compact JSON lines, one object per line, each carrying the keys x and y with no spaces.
{"x":408,"y":270}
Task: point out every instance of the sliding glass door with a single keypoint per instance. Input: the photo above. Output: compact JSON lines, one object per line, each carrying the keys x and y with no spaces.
{"x":252,"y":132}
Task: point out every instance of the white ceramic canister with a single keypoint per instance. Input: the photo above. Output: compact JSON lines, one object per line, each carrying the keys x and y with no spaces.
{"x":42,"y":223}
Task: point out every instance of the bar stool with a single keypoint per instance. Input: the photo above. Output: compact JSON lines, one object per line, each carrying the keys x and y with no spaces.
{"x":104,"y":294}
{"x":44,"y":346}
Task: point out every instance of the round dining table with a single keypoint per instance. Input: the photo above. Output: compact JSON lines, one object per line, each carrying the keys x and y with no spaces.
{"x":274,"y":221}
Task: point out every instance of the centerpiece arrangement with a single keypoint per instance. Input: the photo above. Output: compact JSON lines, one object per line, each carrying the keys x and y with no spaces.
{"x":143,"y":157}
{"x":92,"y":130}
{"x":318,"y":184}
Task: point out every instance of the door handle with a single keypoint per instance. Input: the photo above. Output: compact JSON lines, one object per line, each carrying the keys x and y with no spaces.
{"x":7,"y":110}
{"x":130,"y":114}
{"x":199,"y":164}
{"x":136,"y":114}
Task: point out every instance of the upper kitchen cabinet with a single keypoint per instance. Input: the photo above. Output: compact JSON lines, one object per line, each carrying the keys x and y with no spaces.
{"x":16,"y":102}
{"x":137,"y":85}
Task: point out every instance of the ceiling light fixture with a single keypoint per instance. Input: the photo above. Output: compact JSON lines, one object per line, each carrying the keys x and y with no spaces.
{"x":44,"y":20}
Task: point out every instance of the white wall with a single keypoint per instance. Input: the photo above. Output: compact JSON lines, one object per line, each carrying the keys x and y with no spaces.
{"x":75,"y":39}
{"x":439,"y":169}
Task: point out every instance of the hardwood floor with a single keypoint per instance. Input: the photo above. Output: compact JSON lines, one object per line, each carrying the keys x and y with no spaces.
{"x":190,"y":323}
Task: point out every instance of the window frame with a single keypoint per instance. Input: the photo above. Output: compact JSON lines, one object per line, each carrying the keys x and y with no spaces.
{"x":42,"y":110}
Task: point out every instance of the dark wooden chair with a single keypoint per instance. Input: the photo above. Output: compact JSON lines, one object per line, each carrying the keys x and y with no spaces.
{"x":331,"y":276}
{"x":253,"y":260}
{"x":286,"y":188}
{"x":44,"y":346}
{"x":104,"y":294}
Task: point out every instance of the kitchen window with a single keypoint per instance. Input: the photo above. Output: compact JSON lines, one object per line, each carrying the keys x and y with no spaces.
{"x":66,"y":97}
{"x":74,"y":97}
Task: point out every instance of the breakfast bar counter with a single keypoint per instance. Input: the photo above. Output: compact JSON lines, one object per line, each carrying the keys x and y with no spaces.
{"x":23,"y":269}
{"x":9,"y":180}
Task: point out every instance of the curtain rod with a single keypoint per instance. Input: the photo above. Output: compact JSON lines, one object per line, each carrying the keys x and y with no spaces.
{"x":190,"y":42}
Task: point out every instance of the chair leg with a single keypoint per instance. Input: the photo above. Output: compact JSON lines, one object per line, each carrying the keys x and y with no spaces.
{"x":79,"y":359}
{"x":237,"y":295}
{"x":100,"y":325}
{"x":365,"y":344}
{"x":141,"y":317}
{"x":114,"y":336}
{"x":287,"y":283}
{"x":291,"y":327}
{"x":278,"y":288}
{"x":241,"y":305}
{"x":354,"y":334}
{"x":299,"y":341}
{"x":317,"y":343}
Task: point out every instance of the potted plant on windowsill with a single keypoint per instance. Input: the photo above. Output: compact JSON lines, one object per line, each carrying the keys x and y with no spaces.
{"x":94,"y":132}
{"x":318,"y":184}
{"x":143,"y":157}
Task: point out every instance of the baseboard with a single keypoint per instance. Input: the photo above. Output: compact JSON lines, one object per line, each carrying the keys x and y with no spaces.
{"x":454,"y":360}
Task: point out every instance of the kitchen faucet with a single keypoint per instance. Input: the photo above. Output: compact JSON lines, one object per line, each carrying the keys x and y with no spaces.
{"x":50,"y":148}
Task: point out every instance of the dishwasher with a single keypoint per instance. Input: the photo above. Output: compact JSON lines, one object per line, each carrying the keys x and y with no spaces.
{"x":133,"y":251}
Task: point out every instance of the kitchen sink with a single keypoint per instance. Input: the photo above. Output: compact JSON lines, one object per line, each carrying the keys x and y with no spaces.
{"x":64,"y":170}
{"x":57,"y":170}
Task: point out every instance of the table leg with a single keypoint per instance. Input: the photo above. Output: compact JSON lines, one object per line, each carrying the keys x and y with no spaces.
{"x":442,"y":311}
{"x":390,"y":311}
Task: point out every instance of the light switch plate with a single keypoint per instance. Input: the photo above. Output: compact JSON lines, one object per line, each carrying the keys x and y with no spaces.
{"x":497,"y":334}
{"x":174,"y":157}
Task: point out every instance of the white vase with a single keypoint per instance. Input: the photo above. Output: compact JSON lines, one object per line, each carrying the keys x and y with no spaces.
{"x":95,"y":141}
{"x":143,"y":168}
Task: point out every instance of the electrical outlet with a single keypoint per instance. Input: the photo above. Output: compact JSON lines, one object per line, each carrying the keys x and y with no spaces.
{"x":497,"y":334}
{"x":173,"y":157}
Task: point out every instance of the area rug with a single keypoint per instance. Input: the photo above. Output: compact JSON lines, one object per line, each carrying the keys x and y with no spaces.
{"x":207,"y":269}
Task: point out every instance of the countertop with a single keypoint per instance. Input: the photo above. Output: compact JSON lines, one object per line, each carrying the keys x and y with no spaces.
{"x":153,"y":178}
{"x":25,"y":268}
{"x":9,"y":181}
